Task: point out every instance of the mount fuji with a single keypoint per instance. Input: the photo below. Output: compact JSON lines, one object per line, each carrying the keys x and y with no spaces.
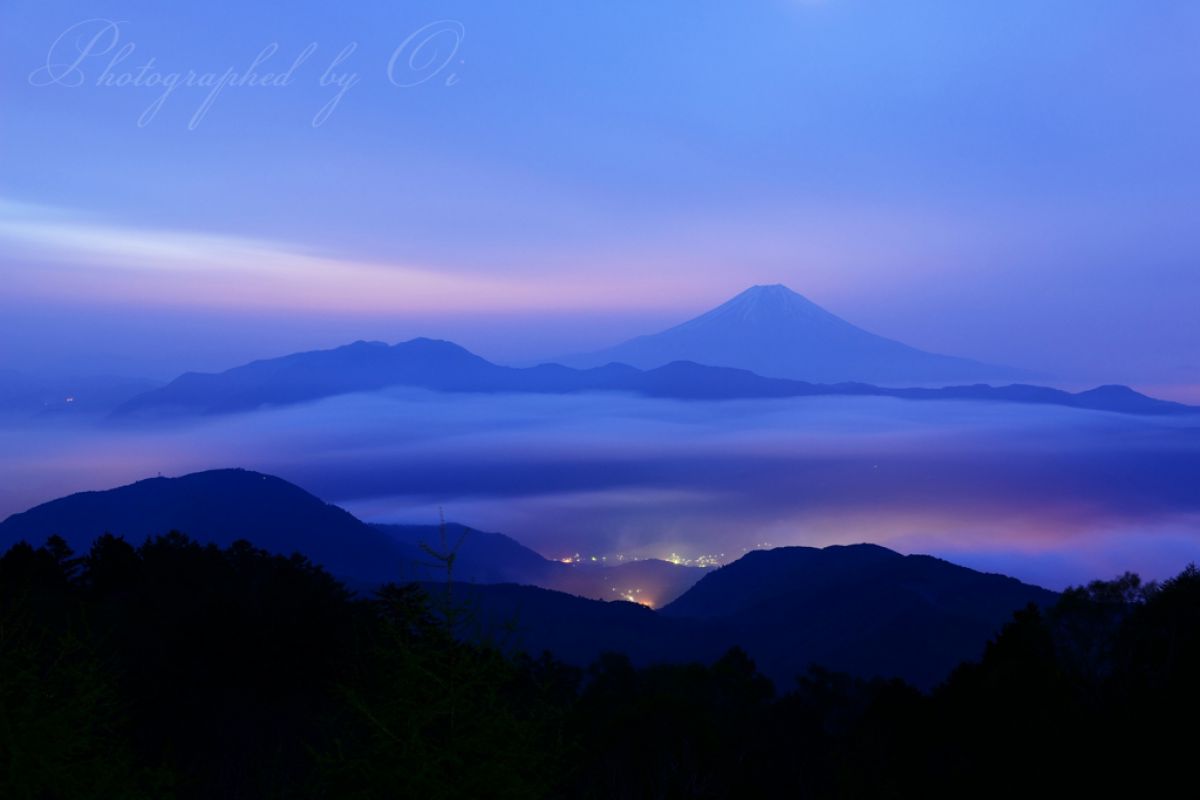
{"x":776,"y":332}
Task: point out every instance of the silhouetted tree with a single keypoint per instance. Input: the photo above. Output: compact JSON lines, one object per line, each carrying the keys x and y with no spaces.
{"x":179,"y":669}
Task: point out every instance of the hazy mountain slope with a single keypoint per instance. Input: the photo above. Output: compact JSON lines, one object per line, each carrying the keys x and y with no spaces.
{"x":776,"y":332}
{"x":649,"y":581}
{"x":484,"y":557}
{"x":363,"y":367}
{"x":357,"y":367}
{"x":481,"y":557}
{"x":444,"y":366}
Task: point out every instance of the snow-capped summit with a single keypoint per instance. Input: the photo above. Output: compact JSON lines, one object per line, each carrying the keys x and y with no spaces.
{"x":765,"y":305}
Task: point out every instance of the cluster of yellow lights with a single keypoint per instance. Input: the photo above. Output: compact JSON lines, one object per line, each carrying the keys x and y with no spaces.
{"x":578,"y":559}
{"x":634,"y":596}
{"x":706,"y":560}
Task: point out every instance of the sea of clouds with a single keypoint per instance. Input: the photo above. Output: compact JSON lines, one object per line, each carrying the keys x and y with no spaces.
{"x":1052,"y":495}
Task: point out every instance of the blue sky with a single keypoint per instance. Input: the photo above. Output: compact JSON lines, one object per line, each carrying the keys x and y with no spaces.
{"x":1014,"y":182}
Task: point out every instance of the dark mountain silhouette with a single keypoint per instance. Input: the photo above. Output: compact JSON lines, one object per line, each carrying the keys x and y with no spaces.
{"x":222,"y":506}
{"x":762,"y":576}
{"x":773,"y":331}
{"x":480,"y":557}
{"x":180,"y":669}
{"x":446,"y":367}
{"x":863,"y":609}
{"x":802,"y":575}
{"x":856,"y":609}
{"x":579,"y":630}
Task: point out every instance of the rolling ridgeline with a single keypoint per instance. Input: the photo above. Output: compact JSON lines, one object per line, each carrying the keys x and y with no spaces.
{"x":861,"y":609}
{"x":767,"y":342}
{"x":181,"y":669}
{"x":440,"y":366}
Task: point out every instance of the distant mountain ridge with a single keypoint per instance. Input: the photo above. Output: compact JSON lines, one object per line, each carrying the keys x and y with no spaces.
{"x":446,"y":367}
{"x":776,"y":332}
{"x":862,"y":608}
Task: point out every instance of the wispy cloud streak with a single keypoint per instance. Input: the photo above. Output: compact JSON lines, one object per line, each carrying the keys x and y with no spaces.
{"x":129,"y":264}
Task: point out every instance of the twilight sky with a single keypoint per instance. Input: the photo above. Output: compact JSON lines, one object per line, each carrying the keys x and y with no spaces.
{"x":1015,"y":182}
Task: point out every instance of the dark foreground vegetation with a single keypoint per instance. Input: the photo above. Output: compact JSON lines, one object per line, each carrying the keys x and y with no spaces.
{"x":182,"y":670}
